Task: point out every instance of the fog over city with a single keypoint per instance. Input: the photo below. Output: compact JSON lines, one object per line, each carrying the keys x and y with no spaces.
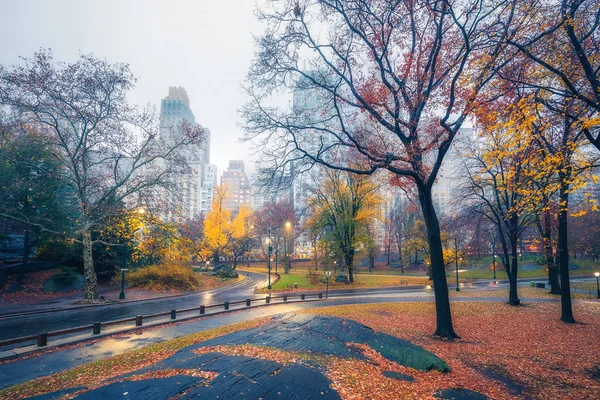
{"x":204,"y":46}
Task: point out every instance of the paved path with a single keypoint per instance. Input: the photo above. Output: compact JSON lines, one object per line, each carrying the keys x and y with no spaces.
{"x":21,"y":370}
{"x":32,"y":324}
{"x":58,"y":319}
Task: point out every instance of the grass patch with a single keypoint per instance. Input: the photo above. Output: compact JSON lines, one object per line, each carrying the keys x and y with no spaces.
{"x":98,"y":373}
{"x":585,"y":267}
{"x":488,"y":273}
{"x":306,"y":281}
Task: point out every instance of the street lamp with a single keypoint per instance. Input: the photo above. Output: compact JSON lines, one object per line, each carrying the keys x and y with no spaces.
{"x":288,"y":229}
{"x":598,"y":282}
{"x":123,"y":269}
{"x":456,"y":262}
{"x":327,"y":274}
{"x":270,"y":249}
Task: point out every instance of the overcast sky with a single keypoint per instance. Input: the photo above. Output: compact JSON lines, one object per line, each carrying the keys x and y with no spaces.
{"x":206,"y":46}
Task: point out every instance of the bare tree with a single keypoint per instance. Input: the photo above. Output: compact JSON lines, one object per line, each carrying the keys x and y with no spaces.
{"x":108,"y":151}
{"x":389,"y":85}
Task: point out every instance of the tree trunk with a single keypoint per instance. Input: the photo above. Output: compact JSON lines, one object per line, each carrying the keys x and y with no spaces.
{"x":399,"y":240}
{"x":216,"y":259}
{"x":443,"y":313}
{"x":25,"y":259}
{"x":513,"y":297}
{"x":349,"y":259}
{"x":546,"y":233}
{"x":90,"y":279}
{"x":563,"y":254}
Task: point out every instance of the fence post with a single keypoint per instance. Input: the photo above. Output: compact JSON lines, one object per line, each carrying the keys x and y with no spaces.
{"x":226,"y":305}
{"x":248,"y":302}
{"x":97,"y":328}
{"x":202,"y":309}
{"x":173,"y":314}
{"x":138,"y":320}
{"x":42,"y":339}
{"x":303,"y":296}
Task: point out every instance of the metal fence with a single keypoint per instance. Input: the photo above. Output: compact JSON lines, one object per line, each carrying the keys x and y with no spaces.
{"x":96,"y":328}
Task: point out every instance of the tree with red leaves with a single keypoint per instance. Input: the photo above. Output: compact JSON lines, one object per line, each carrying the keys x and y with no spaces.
{"x":386,"y":85}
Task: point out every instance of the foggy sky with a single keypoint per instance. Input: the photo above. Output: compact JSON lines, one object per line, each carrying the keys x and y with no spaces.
{"x":205,"y":46}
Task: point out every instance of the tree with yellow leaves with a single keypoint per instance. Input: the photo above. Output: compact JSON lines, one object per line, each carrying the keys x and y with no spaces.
{"x":241,"y":234}
{"x":344,"y":205}
{"x":217,"y":226}
{"x":497,"y":168}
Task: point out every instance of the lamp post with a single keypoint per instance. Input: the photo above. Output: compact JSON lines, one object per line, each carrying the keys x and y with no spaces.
{"x":270,"y":249}
{"x":598,"y":283}
{"x":327,"y":274}
{"x":456,"y":262}
{"x":123,"y":269}
{"x":288,"y":229}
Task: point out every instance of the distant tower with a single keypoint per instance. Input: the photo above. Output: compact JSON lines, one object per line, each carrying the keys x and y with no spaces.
{"x":183,"y":198}
{"x":239,"y":191}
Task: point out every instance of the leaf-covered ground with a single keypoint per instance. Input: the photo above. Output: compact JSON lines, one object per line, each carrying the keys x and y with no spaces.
{"x":523,"y":292}
{"x":504,"y":352}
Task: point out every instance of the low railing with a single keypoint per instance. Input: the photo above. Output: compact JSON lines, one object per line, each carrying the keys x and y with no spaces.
{"x":42,"y":338}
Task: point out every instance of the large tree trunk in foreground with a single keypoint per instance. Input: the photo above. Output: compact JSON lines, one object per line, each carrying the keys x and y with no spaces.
{"x":90,"y":279}
{"x":563,"y":255}
{"x":444,"y":326}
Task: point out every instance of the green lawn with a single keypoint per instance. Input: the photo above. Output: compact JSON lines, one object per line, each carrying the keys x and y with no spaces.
{"x":585,"y":267}
{"x":485,"y":273}
{"x":287,"y":281}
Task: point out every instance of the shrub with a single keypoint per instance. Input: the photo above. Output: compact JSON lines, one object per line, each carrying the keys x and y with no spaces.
{"x":164,"y":277}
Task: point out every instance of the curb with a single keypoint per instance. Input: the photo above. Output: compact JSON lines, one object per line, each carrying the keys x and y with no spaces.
{"x":8,"y":355}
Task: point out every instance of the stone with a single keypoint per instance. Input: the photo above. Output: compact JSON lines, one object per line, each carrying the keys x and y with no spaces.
{"x":329,"y":335}
{"x":58,"y":284}
{"x":341,"y":279}
{"x":148,"y":389}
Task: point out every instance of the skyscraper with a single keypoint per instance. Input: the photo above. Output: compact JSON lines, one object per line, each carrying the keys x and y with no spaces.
{"x":183,"y":196}
{"x":238,"y":186}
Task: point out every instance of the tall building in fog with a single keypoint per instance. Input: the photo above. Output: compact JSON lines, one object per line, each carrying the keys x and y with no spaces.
{"x":183,"y":197}
{"x":239,"y":191}
{"x":209,"y":183}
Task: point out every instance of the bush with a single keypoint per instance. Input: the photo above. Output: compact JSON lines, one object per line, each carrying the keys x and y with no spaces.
{"x":164,"y":277}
